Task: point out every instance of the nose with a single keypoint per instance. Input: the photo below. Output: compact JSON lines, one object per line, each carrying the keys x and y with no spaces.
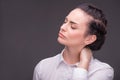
{"x":63,"y":28}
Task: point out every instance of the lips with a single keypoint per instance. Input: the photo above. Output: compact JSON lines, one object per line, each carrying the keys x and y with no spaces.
{"x":61,"y":35}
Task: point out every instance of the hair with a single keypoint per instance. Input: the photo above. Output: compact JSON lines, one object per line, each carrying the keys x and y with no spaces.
{"x":97,"y":26}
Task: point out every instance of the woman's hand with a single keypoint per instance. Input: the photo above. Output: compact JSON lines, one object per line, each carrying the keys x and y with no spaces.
{"x":85,"y":58}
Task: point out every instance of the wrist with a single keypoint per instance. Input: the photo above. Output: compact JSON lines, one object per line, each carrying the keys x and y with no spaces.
{"x":84,"y":65}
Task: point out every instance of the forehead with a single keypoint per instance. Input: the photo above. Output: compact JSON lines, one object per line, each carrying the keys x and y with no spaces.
{"x":79,"y":16}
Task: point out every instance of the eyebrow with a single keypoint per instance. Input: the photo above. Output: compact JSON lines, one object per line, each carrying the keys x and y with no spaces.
{"x":72,"y":22}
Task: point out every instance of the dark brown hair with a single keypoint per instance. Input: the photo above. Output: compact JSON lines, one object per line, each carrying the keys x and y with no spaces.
{"x":97,"y":26}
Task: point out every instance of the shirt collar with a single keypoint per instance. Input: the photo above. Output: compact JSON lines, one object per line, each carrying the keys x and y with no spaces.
{"x":61,"y":60}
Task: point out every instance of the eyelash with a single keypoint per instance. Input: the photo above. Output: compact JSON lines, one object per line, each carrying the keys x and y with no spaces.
{"x":73,"y":27}
{"x":70,"y":26}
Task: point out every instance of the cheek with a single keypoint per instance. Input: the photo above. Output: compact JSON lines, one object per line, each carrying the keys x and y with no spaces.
{"x":76,"y":37}
{"x":76,"y":34}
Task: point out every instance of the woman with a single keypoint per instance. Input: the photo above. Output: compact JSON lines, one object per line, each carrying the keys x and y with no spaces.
{"x":82,"y":32}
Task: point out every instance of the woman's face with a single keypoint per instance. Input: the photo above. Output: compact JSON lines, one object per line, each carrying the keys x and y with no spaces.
{"x":74,"y":29}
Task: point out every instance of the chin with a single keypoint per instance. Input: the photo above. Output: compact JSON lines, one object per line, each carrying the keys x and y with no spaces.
{"x":61,"y":41}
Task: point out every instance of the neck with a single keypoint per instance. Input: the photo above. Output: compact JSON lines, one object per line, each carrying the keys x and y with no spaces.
{"x":72,"y":55}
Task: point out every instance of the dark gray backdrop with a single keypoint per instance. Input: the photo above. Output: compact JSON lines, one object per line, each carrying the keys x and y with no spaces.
{"x":28,"y":33}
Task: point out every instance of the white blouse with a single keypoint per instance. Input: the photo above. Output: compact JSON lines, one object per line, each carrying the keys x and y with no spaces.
{"x":55,"y":68}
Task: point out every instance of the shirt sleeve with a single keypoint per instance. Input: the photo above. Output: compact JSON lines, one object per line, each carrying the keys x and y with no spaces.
{"x":35,"y":75}
{"x":37,"y":72}
{"x":101,"y":74}
{"x":80,"y":74}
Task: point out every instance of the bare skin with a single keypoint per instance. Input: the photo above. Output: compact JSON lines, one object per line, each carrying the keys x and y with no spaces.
{"x":85,"y":58}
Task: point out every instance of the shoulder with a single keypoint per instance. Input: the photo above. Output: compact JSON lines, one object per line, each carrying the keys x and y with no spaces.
{"x":45,"y":67}
{"x":50,"y":60}
{"x":99,"y":66}
{"x":47,"y":62}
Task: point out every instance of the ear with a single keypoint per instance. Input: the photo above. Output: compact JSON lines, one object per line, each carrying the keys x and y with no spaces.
{"x":90,"y":39}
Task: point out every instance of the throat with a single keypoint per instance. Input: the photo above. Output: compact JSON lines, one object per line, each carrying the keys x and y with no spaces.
{"x":71,"y":57}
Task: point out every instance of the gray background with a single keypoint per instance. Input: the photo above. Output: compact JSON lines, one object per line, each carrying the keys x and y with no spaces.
{"x":28,"y":33}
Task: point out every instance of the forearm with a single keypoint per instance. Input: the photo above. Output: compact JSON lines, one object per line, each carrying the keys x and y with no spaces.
{"x":85,"y":58}
{"x":81,"y":71}
{"x":84,"y":65}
